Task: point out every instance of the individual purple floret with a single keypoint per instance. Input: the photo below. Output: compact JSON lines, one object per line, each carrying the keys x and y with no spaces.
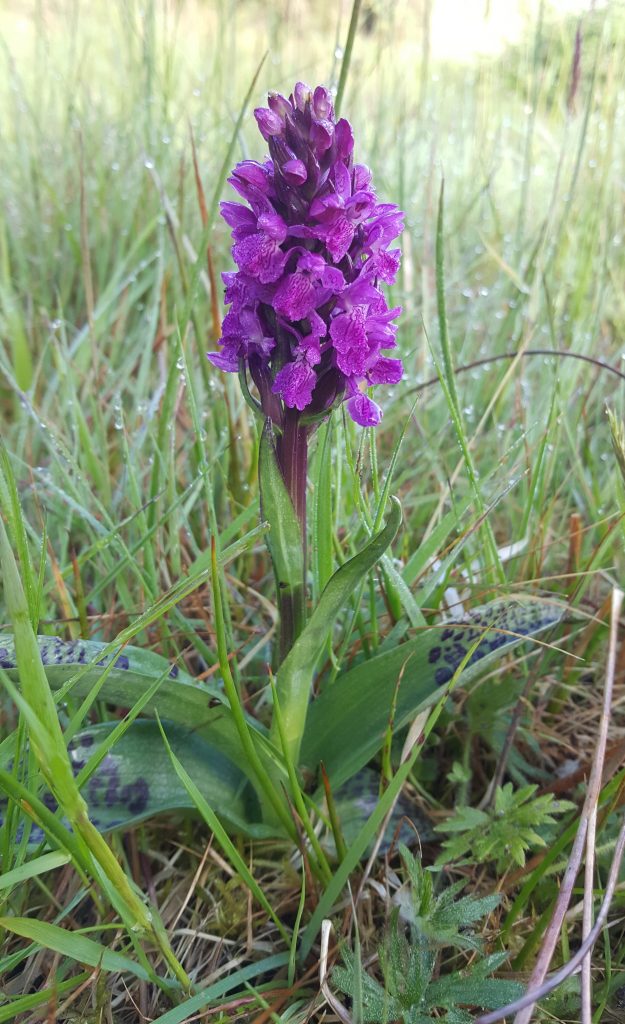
{"x":308,"y":320}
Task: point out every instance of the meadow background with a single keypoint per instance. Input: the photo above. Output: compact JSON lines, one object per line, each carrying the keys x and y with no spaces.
{"x":521,"y":108}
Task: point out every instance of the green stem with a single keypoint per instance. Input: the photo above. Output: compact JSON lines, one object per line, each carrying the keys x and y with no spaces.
{"x":347,"y":56}
{"x":322,"y":864}
{"x":261,"y":775}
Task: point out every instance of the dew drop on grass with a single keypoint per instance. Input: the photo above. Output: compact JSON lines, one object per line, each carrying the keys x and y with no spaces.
{"x":339,"y":52}
{"x":149,"y":163}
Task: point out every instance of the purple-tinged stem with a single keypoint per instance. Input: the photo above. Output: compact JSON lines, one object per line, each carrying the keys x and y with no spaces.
{"x":292,"y":452}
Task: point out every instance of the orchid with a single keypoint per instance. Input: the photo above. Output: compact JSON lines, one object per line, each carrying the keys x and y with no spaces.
{"x":308,"y":320}
{"x":308,"y":323}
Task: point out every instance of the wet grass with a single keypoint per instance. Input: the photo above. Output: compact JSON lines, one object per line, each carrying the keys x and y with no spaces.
{"x":129,"y":451}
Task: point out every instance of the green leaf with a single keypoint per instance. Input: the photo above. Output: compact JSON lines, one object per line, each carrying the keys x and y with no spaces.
{"x":135,"y":781}
{"x":86,"y":667}
{"x":200,"y":799}
{"x":505,"y":832}
{"x":355,"y":802}
{"x":182,"y":1013}
{"x":11,"y":1010}
{"x":441,"y":919}
{"x":37,"y":703}
{"x":368,"y":830}
{"x":32,"y":868}
{"x":10,"y":505}
{"x":487,"y":993}
{"x":72,"y":944}
{"x":296,"y":672}
{"x":378,"y":1004}
{"x":346,"y":725}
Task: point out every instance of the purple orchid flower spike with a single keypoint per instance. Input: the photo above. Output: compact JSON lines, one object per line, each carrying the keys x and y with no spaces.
{"x":308,"y":320}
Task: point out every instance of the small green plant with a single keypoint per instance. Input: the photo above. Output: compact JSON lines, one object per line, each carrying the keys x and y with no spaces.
{"x":440,"y":918}
{"x":412,"y":985}
{"x":505,"y":832}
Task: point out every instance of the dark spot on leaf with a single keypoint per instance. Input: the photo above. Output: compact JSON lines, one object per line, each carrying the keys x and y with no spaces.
{"x":455,"y":654}
{"x":122,"y":661}
{"x":102,"y":787}
{"x":434,"y":655}
{"x":135,"y":795}
{"x":174,"y":672}
{"x":49,"y":801}
{"x":443,"y":675}
{"x":6,"y":661}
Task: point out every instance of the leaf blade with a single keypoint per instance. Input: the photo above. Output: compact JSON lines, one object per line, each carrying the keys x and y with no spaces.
{"x":364,"y":694}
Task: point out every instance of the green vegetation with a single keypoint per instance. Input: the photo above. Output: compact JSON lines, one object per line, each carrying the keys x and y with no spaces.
{"x":125,"y":457}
